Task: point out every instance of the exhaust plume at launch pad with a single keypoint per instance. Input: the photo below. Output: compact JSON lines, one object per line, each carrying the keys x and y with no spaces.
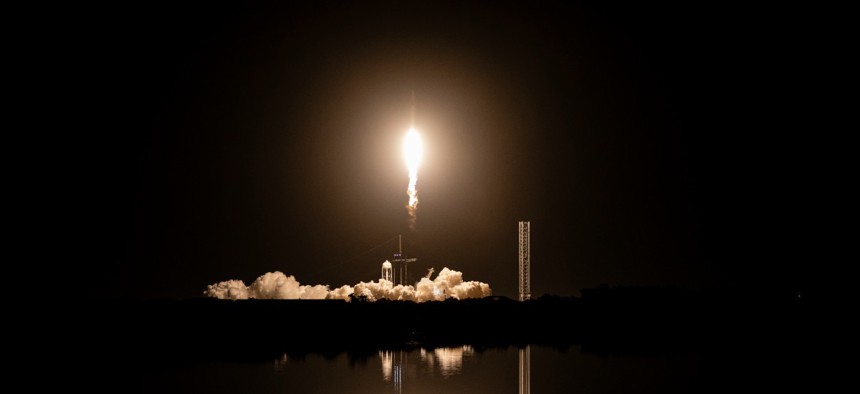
{"x":276,"y":285}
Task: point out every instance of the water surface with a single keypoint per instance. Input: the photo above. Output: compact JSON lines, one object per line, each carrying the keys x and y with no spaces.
{"x":461,"y":369}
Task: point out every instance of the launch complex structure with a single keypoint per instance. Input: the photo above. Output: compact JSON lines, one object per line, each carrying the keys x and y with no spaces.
{"x":397,"y":270}
{"x":525,"y":260}
{"x":400,"y":274}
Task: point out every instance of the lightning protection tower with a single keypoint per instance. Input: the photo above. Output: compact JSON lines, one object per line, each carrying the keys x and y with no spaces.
{"x":525,"y":260}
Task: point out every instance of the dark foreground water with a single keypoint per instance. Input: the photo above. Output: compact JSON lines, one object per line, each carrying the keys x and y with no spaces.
{"x":461,"y":369}
{"x":619,"y":345}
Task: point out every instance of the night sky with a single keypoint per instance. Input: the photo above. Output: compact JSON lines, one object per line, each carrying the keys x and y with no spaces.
{"x":647,"y":146}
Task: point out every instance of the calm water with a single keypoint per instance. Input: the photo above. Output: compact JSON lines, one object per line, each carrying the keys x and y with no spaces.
{"x":461,"y":369}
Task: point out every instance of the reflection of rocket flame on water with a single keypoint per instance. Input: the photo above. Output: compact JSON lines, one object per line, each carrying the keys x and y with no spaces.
{"x":412,"y":151}
{"x":394,"y":365}
{"x":447,"y":360}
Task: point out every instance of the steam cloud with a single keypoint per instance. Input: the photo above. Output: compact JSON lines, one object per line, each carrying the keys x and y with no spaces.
{"x":275,"y":285}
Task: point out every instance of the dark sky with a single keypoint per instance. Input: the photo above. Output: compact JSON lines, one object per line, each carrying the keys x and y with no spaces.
{"x":647,"y":146}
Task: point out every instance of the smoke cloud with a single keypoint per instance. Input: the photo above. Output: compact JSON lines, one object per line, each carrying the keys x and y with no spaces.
{"x":275,"y":285}
{"x":230,"y":290}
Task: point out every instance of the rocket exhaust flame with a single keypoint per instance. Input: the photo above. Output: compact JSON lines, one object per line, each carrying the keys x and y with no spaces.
{"x":412,"y":150}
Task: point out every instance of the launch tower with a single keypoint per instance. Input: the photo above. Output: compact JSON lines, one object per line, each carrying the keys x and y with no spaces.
{"x":401,"y":263}
{"x":525,"y":261}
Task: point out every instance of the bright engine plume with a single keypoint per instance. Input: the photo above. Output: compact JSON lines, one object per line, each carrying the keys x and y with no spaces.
{"x":413,"y":149}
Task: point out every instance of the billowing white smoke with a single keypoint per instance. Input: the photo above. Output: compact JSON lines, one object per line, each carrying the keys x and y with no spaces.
{"x":448,"y":284}
{"x":229,"y":290}
{"x":272,"y":285}
{"x":276,"y":285}
{"x":341,"y":293}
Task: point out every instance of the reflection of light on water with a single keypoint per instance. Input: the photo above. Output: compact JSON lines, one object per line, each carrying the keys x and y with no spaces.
{"x":395,"y":366}
{"x":398,"y":378}
{"x":387,"y":363}
{"x":525,"y":370}
{"x":449,"y":359}
{"x":427,"y":358}
{"x":392,"y":367}
{"x":281,"y":362}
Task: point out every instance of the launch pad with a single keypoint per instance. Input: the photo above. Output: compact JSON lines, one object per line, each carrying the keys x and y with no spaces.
{"x":401,"y":264}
